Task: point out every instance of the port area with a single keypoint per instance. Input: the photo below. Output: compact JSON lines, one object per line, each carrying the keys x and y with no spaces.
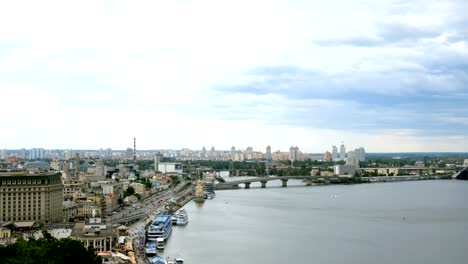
{"x":162,"y":203}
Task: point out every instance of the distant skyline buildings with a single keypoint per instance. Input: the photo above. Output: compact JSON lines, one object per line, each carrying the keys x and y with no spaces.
{"x":232,"y":153}
{"x":352,"y":157}
{"x":126,"y":155}
{"x":36,"y":153}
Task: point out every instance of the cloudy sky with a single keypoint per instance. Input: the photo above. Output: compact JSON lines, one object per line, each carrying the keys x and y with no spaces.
{"x":389,"y":75}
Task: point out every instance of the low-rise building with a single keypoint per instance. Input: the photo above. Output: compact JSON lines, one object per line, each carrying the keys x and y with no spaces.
{"x":70,"y":187}
{"x":112,"y":192}
{"x":345,"y":170}
{"x":169,"y":167}
{"x":70,"y":210}
{"x":5,"y":232}
{"x":139,"y":188}
{"x":85,"y":209}
{"x":327,"y":173}
{"x":314,"y":172}
{"x":130,"y":199}
{"x":94,"y":232}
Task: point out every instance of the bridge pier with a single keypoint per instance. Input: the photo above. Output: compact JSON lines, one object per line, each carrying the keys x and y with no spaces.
{"x":263,"y":184}
{"x":285,"y":183}
{"x":247,"y":185}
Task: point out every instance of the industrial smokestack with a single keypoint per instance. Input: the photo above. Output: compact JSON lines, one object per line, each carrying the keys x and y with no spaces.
{"x":77,"y":165}
{"x":134,"y":150}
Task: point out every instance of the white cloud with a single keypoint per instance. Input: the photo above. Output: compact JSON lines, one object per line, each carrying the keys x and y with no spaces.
{"x":100,"y":72}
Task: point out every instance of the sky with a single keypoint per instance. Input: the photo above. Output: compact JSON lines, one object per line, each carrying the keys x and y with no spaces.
{"x":388,"y":75}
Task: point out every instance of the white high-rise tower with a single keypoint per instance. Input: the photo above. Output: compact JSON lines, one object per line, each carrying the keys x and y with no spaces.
{"x":334,"y":153}
{"x":342,"y":152}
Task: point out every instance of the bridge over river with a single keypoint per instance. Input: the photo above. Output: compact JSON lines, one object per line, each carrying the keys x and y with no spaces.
{"x":308,"y":180}
{"x":462,"y":174}
{"x":284,"y":179}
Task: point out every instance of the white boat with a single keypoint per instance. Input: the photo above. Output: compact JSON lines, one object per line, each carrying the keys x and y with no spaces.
{"x":160,"y":243}
{"x":174,"y":261}
{"x":174,"y":219}
{"x":156,"y":260}
{"x":210,"y":195}
{"x":150,"y":248}
{"x":160,"y":227}
{"x":182,"y":217}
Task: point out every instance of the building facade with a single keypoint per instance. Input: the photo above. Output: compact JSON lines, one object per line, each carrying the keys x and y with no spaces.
{"x":293,"y":154}
{"x":31,"y":197}
{"x":169,"y":167}
{"x":345,"y":170}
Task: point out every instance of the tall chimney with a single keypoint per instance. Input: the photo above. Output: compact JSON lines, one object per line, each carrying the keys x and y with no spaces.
{"x":134,"y":150}
{"x":77,"y":165}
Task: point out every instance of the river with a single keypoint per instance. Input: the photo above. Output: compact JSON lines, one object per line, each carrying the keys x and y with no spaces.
{"x":403,"y":222}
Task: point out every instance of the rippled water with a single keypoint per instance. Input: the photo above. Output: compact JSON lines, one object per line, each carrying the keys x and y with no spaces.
{"x":405,"y":222}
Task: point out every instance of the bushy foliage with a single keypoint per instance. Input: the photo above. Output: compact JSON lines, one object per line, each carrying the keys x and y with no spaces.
{"x":47,"y":250}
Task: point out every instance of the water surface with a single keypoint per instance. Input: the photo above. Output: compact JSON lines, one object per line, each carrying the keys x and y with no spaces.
{"x":404,"y":222}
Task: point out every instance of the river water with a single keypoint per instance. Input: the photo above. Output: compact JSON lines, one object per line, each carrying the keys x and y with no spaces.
{"x":404,"y":222}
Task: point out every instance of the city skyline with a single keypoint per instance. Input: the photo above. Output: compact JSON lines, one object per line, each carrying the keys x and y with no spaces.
{"x":387,"y":75}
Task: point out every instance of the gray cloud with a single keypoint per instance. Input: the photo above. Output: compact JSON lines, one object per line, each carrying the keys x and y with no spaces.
{"x":387,"y":33}
{"x":396,"y":32}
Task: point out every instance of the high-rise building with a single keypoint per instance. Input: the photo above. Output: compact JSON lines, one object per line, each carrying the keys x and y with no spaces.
{"x":129,"y":154}
{"x":335,"y":153}
{"x":203,"y":153}
{"x":109,"y":153}
{"x":233,"y":152}
{"x":36,"y":153}
{"x":293,"y":154}
{"x":22,"y":153}
{"x":268,"y":153}
{"x":355,"y":156}
{"x":68,"y":154}
{"x":327,"y":156}
{"x":31,"y":197}
{"x":361,"y":154}
{"x":352,"y":159}
{"x":212,"y":153}
{"x":342,"y":152}
{"x":157,"y":161}
{"x":3,"y":154}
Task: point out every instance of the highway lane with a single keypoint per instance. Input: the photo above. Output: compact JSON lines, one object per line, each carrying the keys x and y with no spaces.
{"x":155,"y":202}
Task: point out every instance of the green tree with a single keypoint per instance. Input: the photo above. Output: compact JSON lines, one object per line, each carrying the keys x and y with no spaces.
{"x":148,"y":184}
{"x":130,"y":191}
{"x":175,"y":180}
{"x":47,"y":250}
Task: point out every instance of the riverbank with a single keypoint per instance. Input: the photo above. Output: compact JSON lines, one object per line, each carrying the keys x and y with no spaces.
{"x":405,"y":178}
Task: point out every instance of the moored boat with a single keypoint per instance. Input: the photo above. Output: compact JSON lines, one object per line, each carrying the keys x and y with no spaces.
{"x":150,"y":248}
{"x":160,"y":243}
{"x":156,"y":260}
{"x":161,"y":227}
{"x":182,"y":217}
